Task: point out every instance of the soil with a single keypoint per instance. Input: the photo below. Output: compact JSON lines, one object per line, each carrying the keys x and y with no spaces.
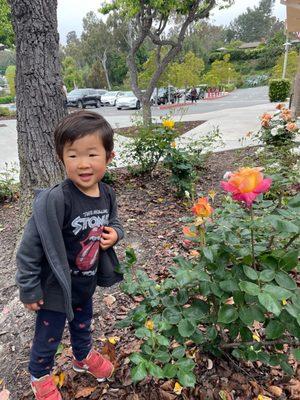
{"x":150,"y":213}
{"x":180,"y":128}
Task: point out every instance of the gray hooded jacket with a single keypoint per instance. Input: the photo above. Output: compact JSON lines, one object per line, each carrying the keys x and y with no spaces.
{"x":43,"y":269}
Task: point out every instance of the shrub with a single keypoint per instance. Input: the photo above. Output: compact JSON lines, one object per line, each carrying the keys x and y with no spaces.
{"x":8,"y":183}
{"x":4,"y":112}
{"x":152,"y":143}
{"x":237,"y":291}
{"x":278,"y":129}
{"x":7,"y":99}
{"x":279,"y":89}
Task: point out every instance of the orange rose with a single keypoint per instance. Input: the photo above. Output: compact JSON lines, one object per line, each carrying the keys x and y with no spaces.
{"x":286,"y":115}
{"x":280,"y":106}
{"x":202,"y":208}
{"x":291,"y":127}
{"x":265,"y":123}
{"x":187,"y":232}
{"x":266,"y":116}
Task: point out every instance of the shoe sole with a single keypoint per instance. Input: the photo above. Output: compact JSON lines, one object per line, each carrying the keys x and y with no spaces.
{"x":84,"y":371}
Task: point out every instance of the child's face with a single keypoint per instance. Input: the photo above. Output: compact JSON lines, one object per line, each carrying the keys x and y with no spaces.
{"x":85,"y":162}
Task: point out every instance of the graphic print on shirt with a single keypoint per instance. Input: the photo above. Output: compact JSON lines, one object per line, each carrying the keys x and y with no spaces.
{"x":92,"y":222}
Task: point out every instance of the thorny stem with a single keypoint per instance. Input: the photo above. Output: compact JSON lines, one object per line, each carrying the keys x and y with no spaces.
{"x":292,"y":239}
{"x":262,"y":342}
{"x":252,"y":239}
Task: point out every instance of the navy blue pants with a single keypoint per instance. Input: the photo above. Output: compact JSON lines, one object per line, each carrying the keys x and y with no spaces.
{"x":49,"y":330}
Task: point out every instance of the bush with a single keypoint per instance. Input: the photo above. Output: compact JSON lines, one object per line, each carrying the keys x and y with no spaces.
{"x":229,"y":87}
{"x":8,"y":183}
{"x":278,"y":129}
{"x":236,"y":291}
{"x":7,"y":99}
{"x":279,"y":89}
{"x":4,"y":112}
{"x":152,"y":143}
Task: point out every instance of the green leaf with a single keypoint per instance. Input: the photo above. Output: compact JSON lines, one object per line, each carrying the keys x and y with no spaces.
{"x":227,"y":314}
{"x":130,"y":256}
{"x":287,"y":368}
{"x":250,"y":288}
{"x":267,"y":275}
{"x":186,"y":364}
{"x":142,"y":332}
{"x":178,"y":352}
{"x":162,"y":340}
{"x":274,"y":330}
{"x":186,"y":378}
{"x":136,"y":358}
{"x":182,"y":297}
{"x":169,"y":370}
{"x":296,"y":353}
{"x":139,"y":372}
{"x":246,"y":315}
{"x":186,"y":328}
{"x":211,"y":333}
{"x":162,"y":356}
{"x":289,"y":260}
{"x":269,"y":303}
{"x":278,"y":292}
{"x":172,"y":315}
{"x":285,"y":281}
{"x":229,"y":286}
{"x":155,"y":370}
{"x":207,"y":252}
{"x":250,"y":273}
{"x":169,"y":301}
{"x":294,"y":202}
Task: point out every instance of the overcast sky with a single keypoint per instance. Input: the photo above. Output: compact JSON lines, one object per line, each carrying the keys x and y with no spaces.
{"x":71,"y":12}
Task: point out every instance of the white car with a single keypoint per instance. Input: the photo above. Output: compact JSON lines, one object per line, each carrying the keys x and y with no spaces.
{"x":128,"y":100}
{"x":110,"y":98}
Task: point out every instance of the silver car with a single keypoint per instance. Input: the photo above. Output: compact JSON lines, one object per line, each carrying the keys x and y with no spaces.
{"x":110,"y":98}
{"x":128,"y":100}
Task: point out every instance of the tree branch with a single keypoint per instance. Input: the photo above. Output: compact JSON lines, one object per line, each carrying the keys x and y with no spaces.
{"x":262,"y":342}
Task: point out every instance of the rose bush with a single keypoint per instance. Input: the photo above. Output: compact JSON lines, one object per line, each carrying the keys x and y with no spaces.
{"x":277,"y":129}
{"x":235,"y":291}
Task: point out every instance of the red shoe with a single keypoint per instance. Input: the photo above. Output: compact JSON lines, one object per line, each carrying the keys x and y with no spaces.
{"x":95,"y":365}
{"x":45,"y":389}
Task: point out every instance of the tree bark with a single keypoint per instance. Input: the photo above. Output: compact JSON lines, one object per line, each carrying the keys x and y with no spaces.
{"x":146,"y":111}
{"x":103,"y":62}
{"x":296,"y":97}
{"x":40,"y":97}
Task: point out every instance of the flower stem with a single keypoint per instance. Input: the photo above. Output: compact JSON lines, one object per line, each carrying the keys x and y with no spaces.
{"x":252,"y":239}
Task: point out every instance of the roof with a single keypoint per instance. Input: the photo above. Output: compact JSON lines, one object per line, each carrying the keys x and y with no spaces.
{"x":292,"y":14}
{"x":250,"y":45}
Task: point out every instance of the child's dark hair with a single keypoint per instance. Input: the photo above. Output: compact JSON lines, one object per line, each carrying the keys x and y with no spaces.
{"x":82,"y":123}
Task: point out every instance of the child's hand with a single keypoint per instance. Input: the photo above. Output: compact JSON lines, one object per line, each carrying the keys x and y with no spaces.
{"x":34,"y":306}
{"x":108,"y":238}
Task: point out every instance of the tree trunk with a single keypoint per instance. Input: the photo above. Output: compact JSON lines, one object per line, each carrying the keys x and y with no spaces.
{"x":296,"y":97}
{"x":103,"y":62}
{"x":146,"y":110}
{"x":40,"y":97}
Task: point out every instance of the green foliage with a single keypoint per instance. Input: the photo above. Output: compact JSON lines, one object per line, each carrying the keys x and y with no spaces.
{"x":7,"y":99}
{"x":292,"y":66}
{"x":148,"y":69}
{"x":10,"y":75}
{"x":221,"y":73}
{"x":279,"y":89}
{"x":146,"y":149}
{"x":187,"y":73}
{"x":213,"y":299}
{"x":7,"y":36}
{"x":5,"y":112}
{"x":9,"y":186}
{"x":72,"y":77}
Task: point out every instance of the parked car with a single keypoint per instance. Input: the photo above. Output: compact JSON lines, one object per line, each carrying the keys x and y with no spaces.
{"x":128,"y":100}
{"x":83,"y":97}
{"x":100,"y":93}
{"x":110,"y":98}
{"x":163,"y":95}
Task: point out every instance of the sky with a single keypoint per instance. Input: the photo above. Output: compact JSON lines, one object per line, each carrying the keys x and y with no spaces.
{"x":71,"y":13}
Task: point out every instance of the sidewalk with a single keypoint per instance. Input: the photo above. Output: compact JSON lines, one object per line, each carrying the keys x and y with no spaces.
{"x":233,"y":124}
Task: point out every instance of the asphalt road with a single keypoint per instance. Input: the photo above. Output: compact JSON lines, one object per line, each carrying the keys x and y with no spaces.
{"x":238,"y":98}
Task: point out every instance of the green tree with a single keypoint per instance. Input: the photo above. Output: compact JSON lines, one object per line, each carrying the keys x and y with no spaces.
{"x":148,"y":69}
{"x":292,"y":66}
{"x":10,"y":75}
{"x":256,"y":23}
{"x":221,"y":73}
{"x":150,"y":21}
{"x":72,"y":77}
{"x":94,"y":77}
{"x":7,"y":35}
{"x":187,"y":73}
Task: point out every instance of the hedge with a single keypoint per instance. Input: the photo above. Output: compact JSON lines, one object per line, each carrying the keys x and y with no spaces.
{"x":7,"y":99}
{"x":279,"y":89}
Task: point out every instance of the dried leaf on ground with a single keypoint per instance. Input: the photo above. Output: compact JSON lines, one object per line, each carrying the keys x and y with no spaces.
{"x":85,"y":392}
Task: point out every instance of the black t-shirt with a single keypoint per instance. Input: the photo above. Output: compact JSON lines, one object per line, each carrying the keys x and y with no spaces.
{"x":85,"y":217}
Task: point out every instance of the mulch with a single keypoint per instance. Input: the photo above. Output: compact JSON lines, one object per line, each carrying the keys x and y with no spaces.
{"x":180,"y":128}
{"x":151,"y":215}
